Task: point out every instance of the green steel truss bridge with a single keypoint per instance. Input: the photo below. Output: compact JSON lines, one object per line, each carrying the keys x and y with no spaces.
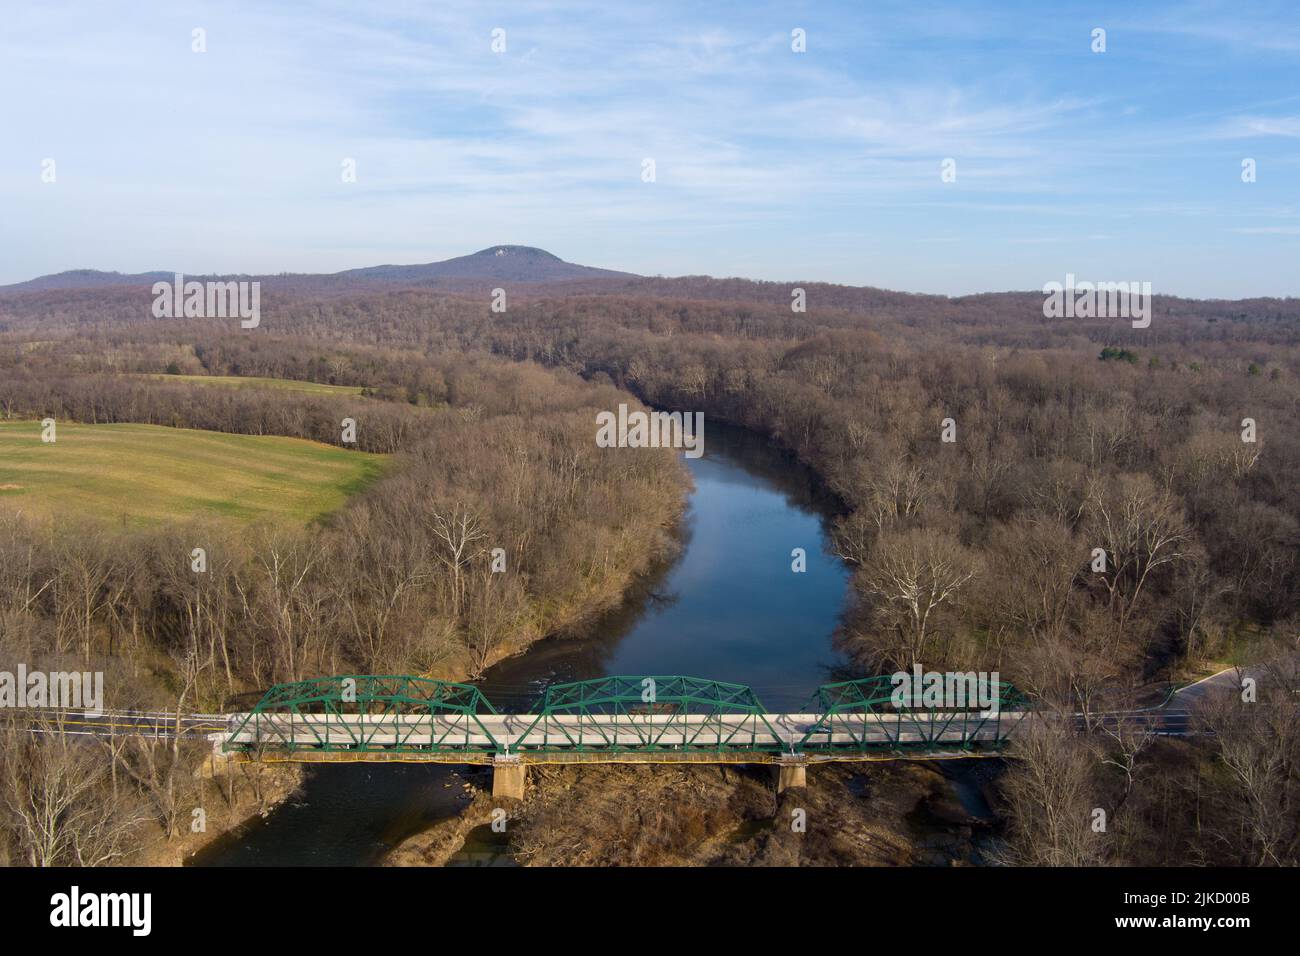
{"x":641,"y":719}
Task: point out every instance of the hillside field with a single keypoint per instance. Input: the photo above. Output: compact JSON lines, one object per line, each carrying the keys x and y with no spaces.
{"x":151,"y":473}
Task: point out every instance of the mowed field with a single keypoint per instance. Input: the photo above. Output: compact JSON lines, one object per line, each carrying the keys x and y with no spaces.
{"x":151,"y":473}
{"x":253,"y":381}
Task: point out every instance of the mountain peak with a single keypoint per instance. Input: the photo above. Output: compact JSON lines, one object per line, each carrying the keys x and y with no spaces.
{"x":516,"y":251}
{"x":505,"y":263}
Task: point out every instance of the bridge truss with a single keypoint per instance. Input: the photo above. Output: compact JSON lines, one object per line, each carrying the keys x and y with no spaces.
{"x":609,"y":718}
{"x":366,"y":713}
{"x":862,"y":714}
{"x":647,"y":714}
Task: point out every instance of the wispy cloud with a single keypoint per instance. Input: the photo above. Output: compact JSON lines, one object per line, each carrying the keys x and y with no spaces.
{"x":1243,"y":127}
{"x":767,"y":160}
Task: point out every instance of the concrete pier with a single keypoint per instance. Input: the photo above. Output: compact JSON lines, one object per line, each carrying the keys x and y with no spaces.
{"x":791,"y":771}
{"x":509,"y":777}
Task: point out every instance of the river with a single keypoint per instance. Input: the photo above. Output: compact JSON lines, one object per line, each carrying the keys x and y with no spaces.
{"x":728,"y":607}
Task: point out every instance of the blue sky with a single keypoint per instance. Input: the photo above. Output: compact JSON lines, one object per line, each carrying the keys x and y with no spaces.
{"x":770,"y":164}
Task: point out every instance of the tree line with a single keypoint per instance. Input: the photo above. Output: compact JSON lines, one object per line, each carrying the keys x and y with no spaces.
{"x":1091,"y":527}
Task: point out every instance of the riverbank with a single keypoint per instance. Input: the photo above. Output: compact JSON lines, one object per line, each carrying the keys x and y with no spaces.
{"x":636,"y":553}
{"x":239,"y":804}
{"x":895,"y":813}
{"x":231,"y":798}
{"x":642,"y":554}
{"x":440,"y":842}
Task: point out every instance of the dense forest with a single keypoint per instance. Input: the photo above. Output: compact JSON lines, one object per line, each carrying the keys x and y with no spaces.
{"x":498,"y":521}
{"x":982,"y":454}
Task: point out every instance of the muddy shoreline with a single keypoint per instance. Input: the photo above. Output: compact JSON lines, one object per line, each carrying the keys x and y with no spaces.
{"x":882,"y":813}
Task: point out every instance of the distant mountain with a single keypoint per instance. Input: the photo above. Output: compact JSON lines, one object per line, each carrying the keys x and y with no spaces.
{"x":508,"y":263}
{"x":85,"y":279}
{"x":523,"y":264}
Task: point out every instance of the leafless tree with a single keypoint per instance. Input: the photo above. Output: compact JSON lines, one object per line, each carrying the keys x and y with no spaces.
{"x":1051,"y":795}
{"x":58,"y":806}
{"x":1258,"y":742}
{"x":1142,"y":530}
{"x":912,"y":574}
{"x":458,"y":531}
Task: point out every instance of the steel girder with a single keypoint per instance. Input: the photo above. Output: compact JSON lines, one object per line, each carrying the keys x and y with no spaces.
{"x":866,"y":711}
{"x":398,"y":714}
{"x":368,"y":713}
{"x":650,"y":713}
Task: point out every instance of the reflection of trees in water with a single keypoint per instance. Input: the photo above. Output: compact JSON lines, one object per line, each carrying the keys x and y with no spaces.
{"x":584,"y":651}
{"x":776,"y":468}
{"x":844,"y":670}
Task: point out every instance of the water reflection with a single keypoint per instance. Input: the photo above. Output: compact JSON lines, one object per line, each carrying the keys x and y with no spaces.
{"x":730,"y":607}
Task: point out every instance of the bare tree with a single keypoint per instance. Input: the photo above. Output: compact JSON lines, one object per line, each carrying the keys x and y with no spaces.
{"x":913,"y":573}
{"x":1129,"y":737}
{"x":1258,"y":742}
{"x":458,"y":530}
{"x":58,"y":806}
{"x":1142,"y":529}
{"x":1051,"y":795}
{"x":493,"y":610}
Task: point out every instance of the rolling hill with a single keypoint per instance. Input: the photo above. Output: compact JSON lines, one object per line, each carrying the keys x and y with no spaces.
{"x":522,"y":264}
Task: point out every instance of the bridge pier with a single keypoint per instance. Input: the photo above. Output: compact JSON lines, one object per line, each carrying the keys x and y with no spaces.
{"x":509,"y":776}
{"x":214,"y":764}
{"x":792,"y":771}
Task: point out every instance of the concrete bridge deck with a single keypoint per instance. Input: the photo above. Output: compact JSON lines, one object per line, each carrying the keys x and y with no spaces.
{"x":520,"y":733}
{"x":512,"y":742}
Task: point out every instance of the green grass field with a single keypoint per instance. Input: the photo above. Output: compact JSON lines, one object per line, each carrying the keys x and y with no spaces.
{"x":253,"y":381}
{"x":150,"y":473}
